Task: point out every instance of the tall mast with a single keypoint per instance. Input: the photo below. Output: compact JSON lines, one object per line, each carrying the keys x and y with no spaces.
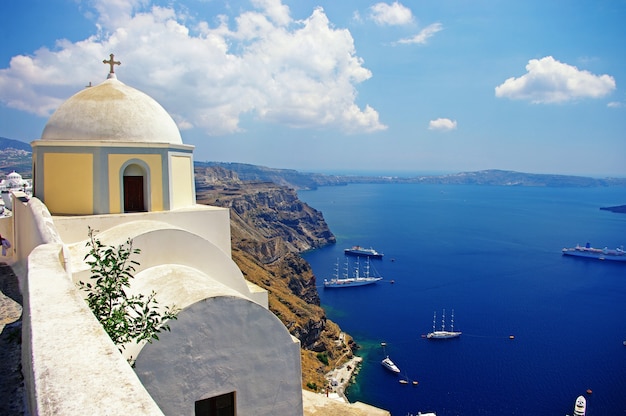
{"x":452,"y":321}
{"x":434,"y":320}
{"x":443,"y":320}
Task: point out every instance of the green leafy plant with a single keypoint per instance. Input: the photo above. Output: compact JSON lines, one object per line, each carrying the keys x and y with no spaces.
{"x":323,"y":357}
{"x":125,"y":318}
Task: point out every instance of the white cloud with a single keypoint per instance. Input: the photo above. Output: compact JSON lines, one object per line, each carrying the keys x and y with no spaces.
{"x":615,"y":104}
{"x":115,"y":12}
{"x":264,"y":64}
{"x":550,"y":81}
{"x":442,"y":124}
{"x":394,"y":14}
{"x":424,"y":34}
{"x":275,"y":10}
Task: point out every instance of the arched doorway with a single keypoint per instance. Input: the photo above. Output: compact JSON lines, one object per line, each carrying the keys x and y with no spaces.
{"x":134,"y":189}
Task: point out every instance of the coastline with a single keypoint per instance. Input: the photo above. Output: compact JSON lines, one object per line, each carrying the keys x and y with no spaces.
{"x":334,"y":401}
{"x":340,"y":378}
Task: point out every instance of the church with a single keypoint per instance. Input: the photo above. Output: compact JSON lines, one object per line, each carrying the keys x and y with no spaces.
{"x":112,"y":159}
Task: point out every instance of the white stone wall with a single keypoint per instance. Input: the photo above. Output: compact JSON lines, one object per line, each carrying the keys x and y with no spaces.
{"x":210,"y":223}
{"x":70,"y":365}
{"x":33,"y":226}
{"x":220,"y":345}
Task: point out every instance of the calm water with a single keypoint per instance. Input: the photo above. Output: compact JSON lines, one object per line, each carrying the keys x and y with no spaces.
{"x":493,"y":255}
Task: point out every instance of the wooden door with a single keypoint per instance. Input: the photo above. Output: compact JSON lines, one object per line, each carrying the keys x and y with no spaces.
{"x":133,"y":194}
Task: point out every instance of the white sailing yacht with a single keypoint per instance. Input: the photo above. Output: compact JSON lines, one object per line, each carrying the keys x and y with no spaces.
{"x":357,"y":280}
{"x":443,"y":334}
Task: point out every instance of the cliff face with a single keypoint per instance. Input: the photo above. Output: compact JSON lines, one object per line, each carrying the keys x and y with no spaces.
{"x":270,"y":226}
{"x":284,"y":177}
{"x":262,"y":212}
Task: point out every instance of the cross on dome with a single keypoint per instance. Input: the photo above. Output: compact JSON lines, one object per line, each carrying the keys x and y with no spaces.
{"x":111,"y":62}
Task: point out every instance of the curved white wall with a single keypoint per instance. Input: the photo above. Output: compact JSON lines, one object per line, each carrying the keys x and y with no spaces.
{"x":161,"y":243}
{"x":220,"y":345}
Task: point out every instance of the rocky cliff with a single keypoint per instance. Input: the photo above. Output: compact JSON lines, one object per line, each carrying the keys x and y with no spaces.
{"x":284,"y":177}
{"x":270,"y":227}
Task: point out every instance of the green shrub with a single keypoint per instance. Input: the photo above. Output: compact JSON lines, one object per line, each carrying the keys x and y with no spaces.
{"x":125,"y":318}
{"x":323,"y":357}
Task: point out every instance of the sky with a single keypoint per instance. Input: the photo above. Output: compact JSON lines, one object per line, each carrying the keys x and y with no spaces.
{"x":331,"y":86}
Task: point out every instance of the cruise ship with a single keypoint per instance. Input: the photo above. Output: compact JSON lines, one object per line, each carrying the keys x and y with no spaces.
{"x":587,"y":251}
{"x":361,"y":251}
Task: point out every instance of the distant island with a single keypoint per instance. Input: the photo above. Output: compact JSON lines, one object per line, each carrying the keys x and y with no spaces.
{"x":494,"y":177}
{"x":621,"y":209}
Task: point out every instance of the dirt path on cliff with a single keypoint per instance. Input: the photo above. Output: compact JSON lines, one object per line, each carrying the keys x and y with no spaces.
{"x":11,"y":380}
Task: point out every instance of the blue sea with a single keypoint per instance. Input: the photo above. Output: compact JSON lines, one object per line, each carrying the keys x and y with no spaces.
{"x":493,"y":254}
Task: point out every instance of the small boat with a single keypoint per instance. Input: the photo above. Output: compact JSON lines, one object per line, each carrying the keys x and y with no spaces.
{"x":357,"y":280}
{"x":589,"y":252}
{"x":389,"y":365}
{"x":443,"y":334}
{"x":580,"y":407}
{"x":361,"y":251}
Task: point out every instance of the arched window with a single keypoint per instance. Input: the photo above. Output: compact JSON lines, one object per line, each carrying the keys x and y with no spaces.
{"x":134,"y":188}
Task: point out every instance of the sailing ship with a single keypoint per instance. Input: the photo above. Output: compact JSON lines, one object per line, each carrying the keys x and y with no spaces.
{"x":357,"y":280}
{"x":443,"y":334}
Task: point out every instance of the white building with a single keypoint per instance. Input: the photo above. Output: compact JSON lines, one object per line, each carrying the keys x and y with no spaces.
{"x":111,"y":158}
{"x":12,"y":182}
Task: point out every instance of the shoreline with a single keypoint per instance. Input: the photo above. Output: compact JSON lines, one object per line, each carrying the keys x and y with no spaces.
{"x":340,"y":378}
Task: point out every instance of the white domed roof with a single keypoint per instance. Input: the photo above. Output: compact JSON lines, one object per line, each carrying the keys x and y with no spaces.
{"x":14,"y":176}
{"x":112,"y":111}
